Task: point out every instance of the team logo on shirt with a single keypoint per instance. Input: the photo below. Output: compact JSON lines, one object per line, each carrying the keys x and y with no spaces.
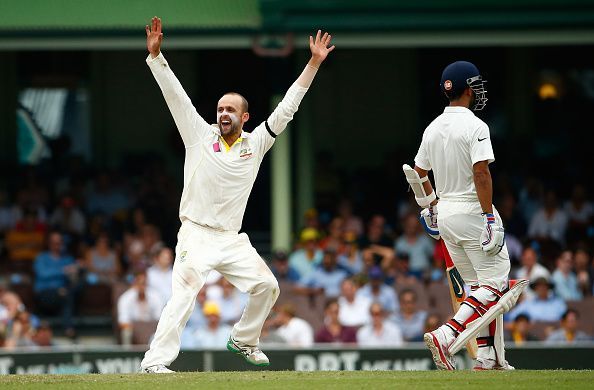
{"x":182,"y":256}
{"x":245,"y":152}
{"x":447,"y":85}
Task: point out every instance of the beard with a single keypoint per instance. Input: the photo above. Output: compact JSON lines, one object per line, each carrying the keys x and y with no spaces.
{"x":231,"y":128}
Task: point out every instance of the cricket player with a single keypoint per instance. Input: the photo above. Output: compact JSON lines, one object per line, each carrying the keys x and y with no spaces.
{"x":220,"y":168}
{"x":457,"y":147}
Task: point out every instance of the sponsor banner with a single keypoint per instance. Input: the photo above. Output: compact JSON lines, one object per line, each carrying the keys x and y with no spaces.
{"x":122,"y":360}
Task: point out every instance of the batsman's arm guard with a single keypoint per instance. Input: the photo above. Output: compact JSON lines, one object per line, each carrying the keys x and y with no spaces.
{"x":505,"y":303}
{"x":416,"y":183}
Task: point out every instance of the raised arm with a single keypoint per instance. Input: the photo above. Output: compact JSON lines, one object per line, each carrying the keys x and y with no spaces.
{"x":285,"y":110}
{"x":192,"y":127}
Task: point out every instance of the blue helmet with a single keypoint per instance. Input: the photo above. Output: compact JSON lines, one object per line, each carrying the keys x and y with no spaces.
{"x":460,"y":75}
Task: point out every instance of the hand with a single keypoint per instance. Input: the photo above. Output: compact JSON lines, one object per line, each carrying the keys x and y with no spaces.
{"x":154,"y":36}
{"x":428,"y":218}
{"x":319,"y":47}
{"x":493,"y":236}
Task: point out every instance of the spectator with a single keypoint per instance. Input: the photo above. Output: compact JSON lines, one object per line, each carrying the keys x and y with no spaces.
{"x":305,"y":260}
{"x":159,"y":275}
{"x":351,"y":223}
{"x":325,"y":279}
{"x":376,"y":246}
{"x":138,"y":303}
{"x":520,"y":330}
{"x":68,"y":218}
{"x":545,"y":306}
{"x":565,"y":281}
{"x":102,"y":262}
{"x":25,"y":240}
{"x":333,"y":331}
{"x":409,"y":318}
{"x":232,"y":302}
{"x":579,"y":212}
{"x":56,"y":281}
{"x":514,"y":221}
{"x":584,"y":273}
{"x":568,"y":333}
{"x":437,"y":271}
{"x":530,"y":199}
{"x":212,"y":336}
{"x":550,"y":222}
{"x":353,"y":308}
{"x":104,"y":198}
{"x":531,"y":269}
{"x":334,"y":237}
{"x":197,"y":319}
{"x":20,"y":333}
{"x":43,"y":336}
{"x":281,"y":269}
{"x":352,"y":259}
{"x":151,"y":240}
{"x":295,"y":331}
{"x":377,"y":291}
{"x":380,"y":332}
{"x":417,"y":245}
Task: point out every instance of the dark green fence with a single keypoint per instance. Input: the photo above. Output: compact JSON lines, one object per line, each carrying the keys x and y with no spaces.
{"x":120,"y":360}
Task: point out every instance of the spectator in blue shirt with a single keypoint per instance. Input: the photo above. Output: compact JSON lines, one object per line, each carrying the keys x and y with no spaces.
{"x":326,"y":278}
{"x":305,"y":259}
{"x":281,"y":269}
{"x":545,"y":306}
{"x":409,"y":318}
{"x":377,"y":291}
{"x":566,"y":283}
{"x":54,"y":271}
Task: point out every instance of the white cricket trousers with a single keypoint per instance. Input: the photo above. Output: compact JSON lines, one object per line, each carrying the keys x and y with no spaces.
{"x":460,"y":225}
{"x":199,"y":250}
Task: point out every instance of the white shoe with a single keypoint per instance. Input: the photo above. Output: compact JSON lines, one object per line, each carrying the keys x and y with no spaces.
{"x":437,"y":343}
{"x":158,"y":369}
{"x":252,"y":354}
{"x":489,"y":364}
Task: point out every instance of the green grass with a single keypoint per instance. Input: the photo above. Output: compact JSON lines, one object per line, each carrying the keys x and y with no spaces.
{"x":286,"y":380}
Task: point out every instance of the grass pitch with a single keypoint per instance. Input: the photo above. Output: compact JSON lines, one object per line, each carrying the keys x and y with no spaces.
{"x":285,"y":380}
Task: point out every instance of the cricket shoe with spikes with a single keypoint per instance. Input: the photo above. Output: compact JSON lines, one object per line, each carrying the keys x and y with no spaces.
{"x":490,"y":364}
{"x":158,"y":369}
{"x":252,"y":354}
{"x":437,"y":342}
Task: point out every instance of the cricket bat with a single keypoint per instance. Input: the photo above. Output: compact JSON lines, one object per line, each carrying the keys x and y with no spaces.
{"x":457,"y":293}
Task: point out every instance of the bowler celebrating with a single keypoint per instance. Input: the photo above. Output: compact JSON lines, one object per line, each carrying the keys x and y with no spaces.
{"x":220,"y":168}
{"x":457,"y":147}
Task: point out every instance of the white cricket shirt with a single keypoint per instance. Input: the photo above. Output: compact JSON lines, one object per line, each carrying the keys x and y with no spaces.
{"x":451,"y":145}
{"x":218,"y":178}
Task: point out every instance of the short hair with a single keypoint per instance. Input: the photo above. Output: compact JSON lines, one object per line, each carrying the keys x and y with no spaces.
{"x":568,"y":312}
{"x":522,"y":317}
{"x":455,"y":94}
{"x":408,"y":291}
{"x":244,"y":102}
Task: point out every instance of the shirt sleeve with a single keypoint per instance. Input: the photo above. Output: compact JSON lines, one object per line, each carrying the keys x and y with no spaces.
{"x":480,"y":145}
{"x":276,"y":123}
{"x":422,"y":157}
{"x":191,"y":126}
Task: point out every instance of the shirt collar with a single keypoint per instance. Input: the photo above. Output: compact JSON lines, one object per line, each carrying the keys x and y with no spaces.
{"x":457,"y":109}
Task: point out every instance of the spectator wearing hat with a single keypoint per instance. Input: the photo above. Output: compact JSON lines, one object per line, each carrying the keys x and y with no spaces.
{"x":325,"y":278}
{"x":380,"y":332}
{"x":333,"y":331}
{"x":352,"y":258}
{"x":520,"y":330}
{"x":294,"y":331}
{"x":377,"y":291}
{"x":212,"y":336}
{"x":568,"y":333}
{"x":281,"y":269}
{"x":409,"y":318}
{"x":565,"y":280}
{"x":305,"y":260}
{"x":545,"y":306}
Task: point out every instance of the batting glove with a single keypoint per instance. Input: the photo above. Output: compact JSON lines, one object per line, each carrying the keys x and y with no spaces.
{"x":428,"y":218}
{"x":493,"y":236}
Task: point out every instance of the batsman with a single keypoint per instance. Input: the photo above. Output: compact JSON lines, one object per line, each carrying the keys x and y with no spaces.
{"x":457,"y":147}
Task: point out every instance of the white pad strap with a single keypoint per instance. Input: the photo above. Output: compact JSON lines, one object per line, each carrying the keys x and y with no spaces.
{"x":416,"y":183}
{"x":505,"y":303}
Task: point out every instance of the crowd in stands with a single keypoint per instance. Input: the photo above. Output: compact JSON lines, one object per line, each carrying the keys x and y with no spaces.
{"x":78,"y":245}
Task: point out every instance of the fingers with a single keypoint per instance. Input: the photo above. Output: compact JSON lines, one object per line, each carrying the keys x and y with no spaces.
{"x":154,"y":24}
{"x":159,"y":25}
{"x":311,"y":42}
{"x":318,"y":36}
{"x":148,"y":30}
{"x":331,"y":48}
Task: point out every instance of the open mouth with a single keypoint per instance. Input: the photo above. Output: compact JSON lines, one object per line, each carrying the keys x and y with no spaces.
{"x":226,"y":123}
